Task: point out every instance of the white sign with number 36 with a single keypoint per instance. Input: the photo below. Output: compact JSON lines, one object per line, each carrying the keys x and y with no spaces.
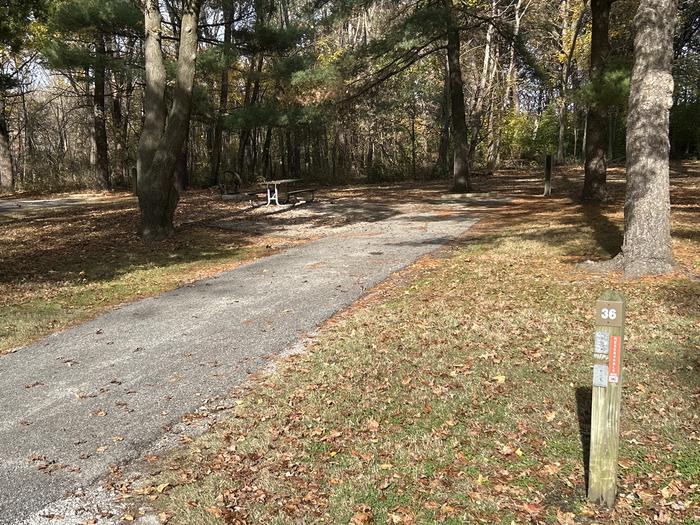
{"x":608,"y":313}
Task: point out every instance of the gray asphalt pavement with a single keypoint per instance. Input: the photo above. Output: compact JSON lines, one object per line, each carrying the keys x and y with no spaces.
{"x":100,"y":394}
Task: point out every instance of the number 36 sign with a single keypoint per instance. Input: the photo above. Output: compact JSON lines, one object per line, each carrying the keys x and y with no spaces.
{"x":609,"y":313}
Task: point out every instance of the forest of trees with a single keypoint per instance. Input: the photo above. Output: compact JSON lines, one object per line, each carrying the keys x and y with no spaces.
{"x":94,"y":92}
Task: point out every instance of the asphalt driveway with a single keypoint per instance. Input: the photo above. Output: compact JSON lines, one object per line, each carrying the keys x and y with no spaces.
{"x":81,"y":401}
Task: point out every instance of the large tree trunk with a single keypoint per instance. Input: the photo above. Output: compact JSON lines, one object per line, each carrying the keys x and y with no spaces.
{"x":594,"y":184}
{"x":99,"y":117}
{"x":460,"y":165}
{"x":646,"y":248}
{"x":159,"y":146}
{"x":7,"y":180}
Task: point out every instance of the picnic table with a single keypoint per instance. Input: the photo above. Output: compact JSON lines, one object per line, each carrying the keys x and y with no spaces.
{"x":274,"y":186}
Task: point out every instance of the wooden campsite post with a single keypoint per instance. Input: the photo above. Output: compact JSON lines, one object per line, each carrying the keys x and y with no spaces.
{"x":547,"y":175}
{"x":607,"y":390}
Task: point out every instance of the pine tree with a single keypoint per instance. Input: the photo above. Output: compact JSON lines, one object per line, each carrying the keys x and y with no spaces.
{"x":80,"y":32}
{"x":16,"y":16}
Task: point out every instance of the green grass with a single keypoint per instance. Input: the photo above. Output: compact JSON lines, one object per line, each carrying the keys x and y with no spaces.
{"x":61,"y":267}
{"x":457,"y":400}
{"x":67,"y":304}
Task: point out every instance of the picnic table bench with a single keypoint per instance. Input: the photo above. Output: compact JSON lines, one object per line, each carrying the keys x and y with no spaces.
{"x":310,"y":191}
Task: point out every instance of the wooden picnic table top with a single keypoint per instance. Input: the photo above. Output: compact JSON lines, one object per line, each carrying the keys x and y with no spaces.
{"x":282,"y":181}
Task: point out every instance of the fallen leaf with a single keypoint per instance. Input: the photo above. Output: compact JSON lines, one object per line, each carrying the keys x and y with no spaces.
{"x":565,"y":518}
{"x":214,"y":511}
{"x":671,"y":490}
{"x":507,"y":450}
{"x":532,"y":508}
{"x":362,"y":516}
{"x":551,"y":469}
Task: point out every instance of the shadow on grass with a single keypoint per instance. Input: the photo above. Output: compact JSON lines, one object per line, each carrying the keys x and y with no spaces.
{"x":607,"y":234}
{"x":583,"y":411}
{"x":101,"y":244}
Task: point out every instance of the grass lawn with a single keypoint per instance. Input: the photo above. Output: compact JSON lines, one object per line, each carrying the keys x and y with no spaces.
{"x":62,"y":266}
{"x":459,"y":391}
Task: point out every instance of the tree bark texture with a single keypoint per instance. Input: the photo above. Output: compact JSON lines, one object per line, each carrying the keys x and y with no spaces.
{"x":99,"y":117}
{"x":161,"y":144}
{"x":460,"y":165}
{"x":646,"y":248}
{"x":7,"y":179}
{"x":594,"y":184}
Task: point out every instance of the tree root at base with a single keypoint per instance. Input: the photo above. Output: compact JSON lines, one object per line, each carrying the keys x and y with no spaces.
{"x":633,"y":269}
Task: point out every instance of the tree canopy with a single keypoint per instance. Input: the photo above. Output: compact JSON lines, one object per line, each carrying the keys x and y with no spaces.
{"x":334,"y":91}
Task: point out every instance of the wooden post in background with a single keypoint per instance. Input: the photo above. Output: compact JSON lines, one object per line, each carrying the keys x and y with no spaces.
{"x":547,"y":175}
{"x":607,"y":389}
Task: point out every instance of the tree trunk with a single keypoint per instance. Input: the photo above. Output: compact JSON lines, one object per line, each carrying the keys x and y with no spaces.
{"x":182,"y":172}
{"x":100,"y":124}
{"x":160,"y":146}
{"x":646,"y":249}
{"x":413,"y":138}
{"x":122,"y":88}
{"x":120,"y":127}
{"x":223,"y":98}
{"x":485,"y":84}
{"x":594,"y":184}
{"x":252,"y":88}
{"x":460,"y":165}
{"x":511,"y":92}
{"x":444,"y":148}
{"x":7,"y":180}
{"x":562,"y":131}
{"x":266,"y":158}
{"x":570,"y":30}
{"x":492,"y":154}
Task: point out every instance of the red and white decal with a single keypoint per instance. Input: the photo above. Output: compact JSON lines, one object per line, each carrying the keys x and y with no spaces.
{"x":614,"y":359}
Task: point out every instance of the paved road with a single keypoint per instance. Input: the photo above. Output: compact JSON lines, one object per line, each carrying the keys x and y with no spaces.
{"x":102,"y":393}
